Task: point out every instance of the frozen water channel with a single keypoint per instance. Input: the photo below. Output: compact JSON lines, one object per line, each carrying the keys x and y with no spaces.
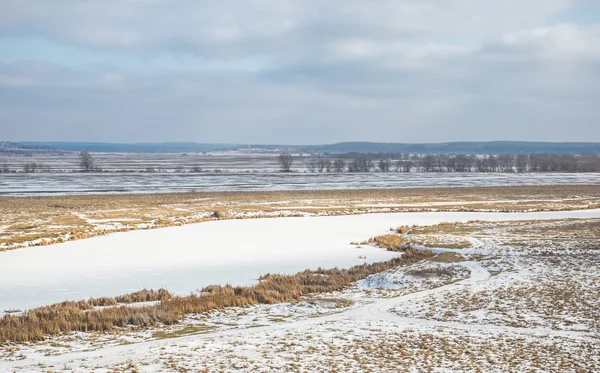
{"x":184,"y":259}
{"x":107,"y":183}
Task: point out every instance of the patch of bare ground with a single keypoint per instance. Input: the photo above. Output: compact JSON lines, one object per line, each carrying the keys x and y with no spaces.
{"x":35,"y":221}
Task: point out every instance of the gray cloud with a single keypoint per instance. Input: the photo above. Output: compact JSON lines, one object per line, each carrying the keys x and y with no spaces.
{"x":414,"y":71}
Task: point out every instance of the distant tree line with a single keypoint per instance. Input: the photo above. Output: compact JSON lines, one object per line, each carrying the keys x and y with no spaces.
{"x":399,"y":162}
{"x":459,"y":163}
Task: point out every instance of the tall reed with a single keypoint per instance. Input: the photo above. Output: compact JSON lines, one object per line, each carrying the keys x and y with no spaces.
{"x":83,"y":316}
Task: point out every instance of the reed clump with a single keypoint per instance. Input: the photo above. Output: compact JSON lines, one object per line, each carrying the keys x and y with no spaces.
{"x":403,"y":229}
{"x":145,"y":295}
{"x":390,"y":242}
{"x":82,"y":316}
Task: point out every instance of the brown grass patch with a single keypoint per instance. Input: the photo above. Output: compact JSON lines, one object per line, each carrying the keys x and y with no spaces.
{"x":447,"y":257}
{"x":431,"y":272}
{"x":390,"y":242}
{"x":67,"y":317}
{"x":403,"y":229}
{"x":57,"y":218}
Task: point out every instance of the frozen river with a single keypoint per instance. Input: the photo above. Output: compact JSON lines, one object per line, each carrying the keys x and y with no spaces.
{"x":184,"y":259}
{"x":77,"y":183}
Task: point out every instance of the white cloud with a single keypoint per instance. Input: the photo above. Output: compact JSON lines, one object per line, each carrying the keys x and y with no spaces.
{"x":273,"y":26}
{"x":564,"y":42}
{"x":304,"y":71}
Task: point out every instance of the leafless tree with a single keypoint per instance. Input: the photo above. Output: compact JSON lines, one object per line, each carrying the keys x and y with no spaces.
{"x":450,"y":164}
{"x":481,"y":164}
{"x":427,"y":163}
{"x":30,"y":167}
{"x":285,"y":161}
{"x":86,"y":161}
{"x":493,"y":163}
{"x":589,"y":163}
{"x":506,"y":163}
{"x":407,"y":165}
{"x":311,"y":166}
{"x":339,"y":165}
{"x":441,"y":160}
{"x":398,"y":165}
{"x":385,"y":165}
{"x":362,"y":164}
{"x":534,"y":163}
{"x":5,"y":169}
{"x":323,"y":165}
{"x":522,"y":163}
{"x":464,"y":163}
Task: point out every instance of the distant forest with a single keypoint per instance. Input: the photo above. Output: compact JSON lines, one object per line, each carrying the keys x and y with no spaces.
{"x":406,"y":162}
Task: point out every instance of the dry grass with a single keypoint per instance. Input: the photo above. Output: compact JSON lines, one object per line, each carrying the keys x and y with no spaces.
{"x":441,"y":241}
{"x":447,"y":257}
{"x":432,"y":272}
{"x":33,"y":221}
{"x":390,"y":242}
{"x":68,"y":317}
{"x":404,"y":229}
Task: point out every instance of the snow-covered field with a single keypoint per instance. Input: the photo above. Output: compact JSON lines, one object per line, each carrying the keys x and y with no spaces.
{"x":185,"y":259}
{"x":356,"y":330}
{"x":77,"y":183}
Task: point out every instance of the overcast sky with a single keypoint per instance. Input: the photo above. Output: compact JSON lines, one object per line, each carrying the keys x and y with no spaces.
{"x":299,"y":71}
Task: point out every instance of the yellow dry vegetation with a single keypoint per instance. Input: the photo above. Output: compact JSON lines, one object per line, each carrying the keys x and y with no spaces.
{"x":37,"y":220}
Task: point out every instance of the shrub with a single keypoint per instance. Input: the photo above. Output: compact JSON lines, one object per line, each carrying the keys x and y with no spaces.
{"x":402,"y":229}
{"x":390,"y":242}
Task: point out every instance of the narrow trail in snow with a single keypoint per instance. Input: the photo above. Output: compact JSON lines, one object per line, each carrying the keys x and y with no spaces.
{"x":379,"y":310}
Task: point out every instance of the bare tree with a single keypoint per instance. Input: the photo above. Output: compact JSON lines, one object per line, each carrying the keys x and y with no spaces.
{"x":398,"y":165}
{"x":385,"y":165}
{"x":440,"y":161}
{"x":427,"y":163}
{"x":30,"y":167}
{"x":339,"y":165}
{"x":463,"y":163}
{"x":285,"y":161}
{"x":521,"y":163}
{"x":481,"y":164}
{"x":362,"y":164}
{"x":311,"y":166}
{"x":505,"y":163}
{"x":450,"y":164}
{"x":86,"y":161}
{"x":323,"y":165}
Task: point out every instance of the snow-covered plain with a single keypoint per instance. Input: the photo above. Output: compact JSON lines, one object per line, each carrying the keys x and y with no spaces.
{"x":77,"y":183}
{"x":523,"y":297}
{"x":184,"y":259}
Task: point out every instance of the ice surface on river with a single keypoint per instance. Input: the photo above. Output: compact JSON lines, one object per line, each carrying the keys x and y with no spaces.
{"x":184,"y":259}
{"x":77,"y":183}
